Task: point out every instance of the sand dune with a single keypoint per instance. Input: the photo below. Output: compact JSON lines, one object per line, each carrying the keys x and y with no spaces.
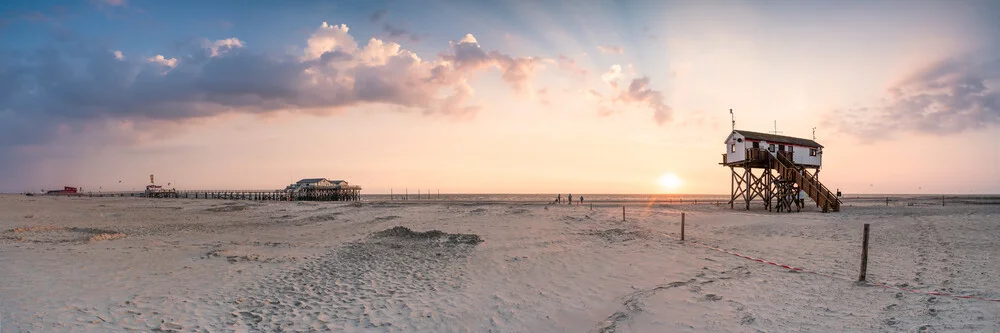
{"x":124,"y":264}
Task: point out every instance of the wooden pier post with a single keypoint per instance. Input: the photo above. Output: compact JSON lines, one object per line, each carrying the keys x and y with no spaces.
{"x":682,"y":226}
{"x":864,"y":255}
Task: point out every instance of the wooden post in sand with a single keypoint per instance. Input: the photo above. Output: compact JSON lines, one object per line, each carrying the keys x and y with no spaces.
{"x":623,"y":213}
{"x":682,"y":226}
{"x":864,"y":255}
{"x":887,"y":201}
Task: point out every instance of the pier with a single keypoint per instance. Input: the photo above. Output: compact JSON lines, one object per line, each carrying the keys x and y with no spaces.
{"x":346,"y":193}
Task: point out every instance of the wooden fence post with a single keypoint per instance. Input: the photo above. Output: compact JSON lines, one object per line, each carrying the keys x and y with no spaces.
{"x":864,"y":255}
{"x":682,"y":226}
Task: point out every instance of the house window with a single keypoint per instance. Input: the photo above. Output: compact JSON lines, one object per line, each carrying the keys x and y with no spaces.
{"x":756,"y":145}
{"x":770,"y":147}
{"x":732,"y":148}
{"x":812,"y":151}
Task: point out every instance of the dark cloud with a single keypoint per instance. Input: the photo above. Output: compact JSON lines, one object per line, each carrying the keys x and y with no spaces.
{"x":377,"y":15}
{"x":66,"y":87}
{"x":396,"y":32}
{"x":951,"y":96}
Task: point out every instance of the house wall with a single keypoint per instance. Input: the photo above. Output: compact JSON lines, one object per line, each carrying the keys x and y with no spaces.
{"x":741,"y":148}
{"x":801,"y":156}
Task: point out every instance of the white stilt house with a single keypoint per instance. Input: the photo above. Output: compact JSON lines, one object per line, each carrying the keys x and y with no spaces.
{"x":785,"y":162}
{"x":804,"y":152}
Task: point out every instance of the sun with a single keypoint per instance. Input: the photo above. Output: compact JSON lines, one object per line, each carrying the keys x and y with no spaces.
{"x":669,"y":182}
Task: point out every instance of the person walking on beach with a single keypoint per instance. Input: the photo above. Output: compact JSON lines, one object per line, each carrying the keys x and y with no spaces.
{"x":570,"y":198}
{"x":581,"y":200}
{"x":559,"y":198}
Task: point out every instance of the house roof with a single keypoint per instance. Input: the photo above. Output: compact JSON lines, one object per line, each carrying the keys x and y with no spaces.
{"x":778,"y":138}
{"x":310,"y":180}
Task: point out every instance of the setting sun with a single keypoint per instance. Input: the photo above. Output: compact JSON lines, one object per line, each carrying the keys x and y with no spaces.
{"x":669,"y":182}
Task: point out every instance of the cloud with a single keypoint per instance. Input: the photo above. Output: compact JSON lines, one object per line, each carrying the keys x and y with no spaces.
{"x":118,"y":55}
{"x":329,"y":38}
{"x":612,"y":76}
{"x":223,"y":45}
{"x":158,"y":59}
{"x":396,"y":32}
{"x":570,"y":65}
{"x":950,"y":96}
{"x":638,"y":92}
{"x":377,"y":15}
{"x":68,"y":89}
{"x":610,"y":49}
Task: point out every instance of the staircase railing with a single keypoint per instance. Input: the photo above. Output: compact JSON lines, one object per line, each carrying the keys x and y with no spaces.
{"x":822,"y":195}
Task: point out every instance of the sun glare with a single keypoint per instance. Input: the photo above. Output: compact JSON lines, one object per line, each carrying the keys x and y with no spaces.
{"x":669,"y":182}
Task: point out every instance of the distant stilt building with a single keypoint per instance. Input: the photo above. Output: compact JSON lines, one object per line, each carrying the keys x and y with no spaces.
{"x":322,"y":189}
{"x":775,"y":169}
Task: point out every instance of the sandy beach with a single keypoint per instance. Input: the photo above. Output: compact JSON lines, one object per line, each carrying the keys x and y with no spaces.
{"x":185,"y":265}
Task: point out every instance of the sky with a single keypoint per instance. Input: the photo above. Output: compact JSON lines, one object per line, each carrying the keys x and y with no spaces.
{"x":494,"y":96}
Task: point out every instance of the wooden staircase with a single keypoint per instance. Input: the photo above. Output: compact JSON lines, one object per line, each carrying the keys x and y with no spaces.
{"x":806,"y":181}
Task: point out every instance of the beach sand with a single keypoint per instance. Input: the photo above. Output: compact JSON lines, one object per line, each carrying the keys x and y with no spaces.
{"x":132,"y":264}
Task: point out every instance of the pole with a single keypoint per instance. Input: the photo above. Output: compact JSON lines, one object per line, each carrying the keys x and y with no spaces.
{"x":682,"y":226}
{"x":864,"y":255}
{"x":623,"y":213}
{"x":886,"y":201}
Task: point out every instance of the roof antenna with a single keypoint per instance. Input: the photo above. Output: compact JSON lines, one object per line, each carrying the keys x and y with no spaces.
{"x":734,"y":119}
{"x":775,"y":128}
{"x":814,"y":134}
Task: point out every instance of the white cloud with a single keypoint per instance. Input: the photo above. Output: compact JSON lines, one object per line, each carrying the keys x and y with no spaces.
{"x":329,"y":38}
{"x":118,"y":55}
{"x":611,"y":49}
{"x":612,"y":76}
{"x":222,"y":46}
{"x":161,"y":60}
